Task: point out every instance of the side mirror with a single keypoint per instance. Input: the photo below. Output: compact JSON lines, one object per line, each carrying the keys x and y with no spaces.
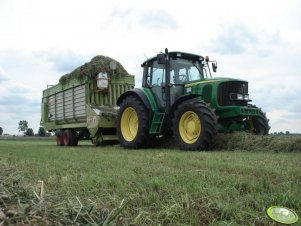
{"x":161,"y":58}
{"x":214,"y":67}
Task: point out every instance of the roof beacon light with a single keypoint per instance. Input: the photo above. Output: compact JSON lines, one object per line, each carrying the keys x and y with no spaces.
{"x":207,"y":59}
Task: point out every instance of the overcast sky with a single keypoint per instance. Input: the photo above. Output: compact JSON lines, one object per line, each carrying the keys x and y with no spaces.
{"x":259,"y":41}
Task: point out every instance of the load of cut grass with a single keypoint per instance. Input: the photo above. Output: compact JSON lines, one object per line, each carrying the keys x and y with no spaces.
{"x":21,"y":204}
{"x":94,"y":67}
{"x":249,"y":142}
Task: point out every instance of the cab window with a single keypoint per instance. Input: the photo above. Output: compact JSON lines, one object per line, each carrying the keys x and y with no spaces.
{"x":183,"y":70}
{"x":157,"y":74}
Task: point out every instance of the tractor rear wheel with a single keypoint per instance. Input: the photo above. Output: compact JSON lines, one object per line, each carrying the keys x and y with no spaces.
{"x":133,"y":123}
{"x":70,"y":138}
{"x":194,"y":126}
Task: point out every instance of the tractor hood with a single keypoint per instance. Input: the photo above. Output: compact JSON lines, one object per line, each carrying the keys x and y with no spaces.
{"x":220,"y":92}
{"x":211,"y":81}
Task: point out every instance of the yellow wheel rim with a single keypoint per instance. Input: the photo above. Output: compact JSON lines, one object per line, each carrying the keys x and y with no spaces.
{"x":129,"y":124}
{"x":190,"y":127}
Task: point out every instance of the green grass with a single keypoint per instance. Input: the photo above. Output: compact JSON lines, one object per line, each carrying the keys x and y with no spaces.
{"x":163,"y":186}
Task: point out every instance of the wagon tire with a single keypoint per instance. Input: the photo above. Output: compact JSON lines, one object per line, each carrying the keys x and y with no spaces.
{"x":70,"y":138}
{"x":59,"y":138}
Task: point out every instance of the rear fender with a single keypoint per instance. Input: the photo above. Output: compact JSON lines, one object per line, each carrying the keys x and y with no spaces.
{"x":182,"y":99}
{"x":146,"y":98}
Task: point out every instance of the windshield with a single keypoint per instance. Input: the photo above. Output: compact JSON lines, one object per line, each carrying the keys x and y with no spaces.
{"x":184,"y":70}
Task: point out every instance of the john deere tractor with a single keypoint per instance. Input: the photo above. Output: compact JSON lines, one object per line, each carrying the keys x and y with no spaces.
{"x":179,"y":97}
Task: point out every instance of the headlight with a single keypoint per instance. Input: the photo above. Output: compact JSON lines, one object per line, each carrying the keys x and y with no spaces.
{"x":240,"y":97}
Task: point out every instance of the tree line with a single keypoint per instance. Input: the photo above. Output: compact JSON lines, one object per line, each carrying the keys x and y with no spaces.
{"x":23,"y":127}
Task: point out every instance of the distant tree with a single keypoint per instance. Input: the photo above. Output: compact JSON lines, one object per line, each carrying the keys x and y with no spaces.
{"x":287,"y":133}
{"x":23,"y":126}
{"x":29,"y":132}
{"x":42,"y":132}
{"x":1,"y":131}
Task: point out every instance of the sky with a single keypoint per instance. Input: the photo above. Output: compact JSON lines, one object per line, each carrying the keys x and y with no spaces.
{"x":258,"y":41}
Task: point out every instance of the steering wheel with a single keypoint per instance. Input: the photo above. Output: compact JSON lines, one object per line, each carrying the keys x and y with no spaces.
{"x":182,"y":77}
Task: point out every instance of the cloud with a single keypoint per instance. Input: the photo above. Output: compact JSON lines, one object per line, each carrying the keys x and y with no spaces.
{"x":19,"y":103}
{"x":24,"y":71}
{"x":2,"y":79}
{"x":18,"y":107}
{"x":157,"y":20}
{"x":16,"y":99}
{"x":62,"y":61}
{"x":15,"y":107}
{"x":2,"y":76}
{"x":25,"y":77}
{"x":238,"y":38}
{"x":146,"y":19}
{"x":280,"y":119}
{"x":234,"y":39}
{"x":12,"y":58}
{"x":276,"y":95}
{"x":122,"y":14}
{"x":18,"y":88}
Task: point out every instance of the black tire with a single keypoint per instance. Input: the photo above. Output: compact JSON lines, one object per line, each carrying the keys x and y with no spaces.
{"x":75,"y":142}
{"x":70,"y":138}
{"x":59,"y":138}
{"x":194,"y":126}
{"x":260,"y":124}
{"x":133,"y":123}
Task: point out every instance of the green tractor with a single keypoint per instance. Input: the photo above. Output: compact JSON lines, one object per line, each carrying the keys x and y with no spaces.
{"x":179,"y":97}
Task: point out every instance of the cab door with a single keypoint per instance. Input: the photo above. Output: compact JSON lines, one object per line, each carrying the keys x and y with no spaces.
{"x":157,"y":83}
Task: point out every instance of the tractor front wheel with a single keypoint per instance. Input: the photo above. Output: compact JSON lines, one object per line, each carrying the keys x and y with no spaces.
{"x":133,"y":123}
{"x":194,"y":126}
{"x":258,"y":125}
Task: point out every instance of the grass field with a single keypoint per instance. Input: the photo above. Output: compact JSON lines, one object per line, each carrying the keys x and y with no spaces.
{"x":162,"y":186}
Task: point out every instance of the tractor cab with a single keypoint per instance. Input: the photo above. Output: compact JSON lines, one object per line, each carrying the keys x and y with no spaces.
{"x":167,"y":73}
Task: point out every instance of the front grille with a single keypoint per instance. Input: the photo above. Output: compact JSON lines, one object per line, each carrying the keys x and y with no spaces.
{"x":225,"y":89}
